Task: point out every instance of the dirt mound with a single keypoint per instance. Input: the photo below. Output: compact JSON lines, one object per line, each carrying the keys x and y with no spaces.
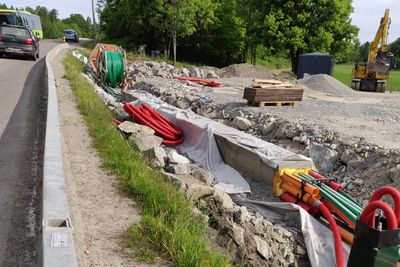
{"x":327,"y":84}
{"x":247,"y":70}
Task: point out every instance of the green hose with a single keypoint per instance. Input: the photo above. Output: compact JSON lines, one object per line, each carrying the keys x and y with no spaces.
{"x":115,"y":67}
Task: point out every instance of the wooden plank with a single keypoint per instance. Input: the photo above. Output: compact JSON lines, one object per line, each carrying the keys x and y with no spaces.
{"x":269,"y":81}
{"x":283,"y":85}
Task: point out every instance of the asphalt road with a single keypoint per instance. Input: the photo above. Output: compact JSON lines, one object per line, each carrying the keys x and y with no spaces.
{"x":22,"y":127}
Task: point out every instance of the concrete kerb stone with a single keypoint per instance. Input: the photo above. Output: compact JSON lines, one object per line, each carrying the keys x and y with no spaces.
{"x":57,"y":245}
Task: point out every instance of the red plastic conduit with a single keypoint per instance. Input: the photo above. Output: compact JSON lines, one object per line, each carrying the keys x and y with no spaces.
{"x":336,"y":234}
{"x":370,"y":209}
{"x":378,"y":194}
{"x":163,"y":128}
{"x":315,"y":203}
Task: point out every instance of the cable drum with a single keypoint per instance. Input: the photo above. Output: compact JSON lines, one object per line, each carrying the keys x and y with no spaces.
{"x":115,"y":68}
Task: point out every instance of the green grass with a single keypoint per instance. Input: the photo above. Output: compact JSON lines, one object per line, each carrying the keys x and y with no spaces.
{"x":342,"y":72}
{"x":274,"y":63}
{"x":167,"y":221}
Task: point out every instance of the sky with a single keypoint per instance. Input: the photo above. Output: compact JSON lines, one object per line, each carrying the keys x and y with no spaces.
{"x":368,"y":13}
{"x":366,"y":16}
{"x":64,"y":7}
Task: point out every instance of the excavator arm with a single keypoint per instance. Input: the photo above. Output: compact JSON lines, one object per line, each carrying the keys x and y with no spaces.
{"x":380,"y":40}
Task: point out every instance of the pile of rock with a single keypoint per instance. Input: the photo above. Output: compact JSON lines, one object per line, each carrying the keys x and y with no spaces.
{"x":251,"y":237}
{"x":149,"y":69}
{"x":360,"y":171}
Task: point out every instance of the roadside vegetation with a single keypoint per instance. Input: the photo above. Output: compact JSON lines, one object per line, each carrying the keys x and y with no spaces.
{"x":167,"y":222}
{"x":219,"y":33}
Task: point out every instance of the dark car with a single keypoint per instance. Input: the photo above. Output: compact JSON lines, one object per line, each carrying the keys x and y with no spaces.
{"x":18,"y":40}
{"x":71,"y":35}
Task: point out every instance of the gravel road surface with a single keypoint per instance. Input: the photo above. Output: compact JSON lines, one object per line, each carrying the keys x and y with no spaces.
{"x":22,"y":125}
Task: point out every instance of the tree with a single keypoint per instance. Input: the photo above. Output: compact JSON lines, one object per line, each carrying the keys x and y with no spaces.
{"x":179,"y":18}
{"x":80,"y":24}
{"x":220,"y":41}
{"x":363,"y":52}
{"x":300,"y":26}
{"x":395,"y":49}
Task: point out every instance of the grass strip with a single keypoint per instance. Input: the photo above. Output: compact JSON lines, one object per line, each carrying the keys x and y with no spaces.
{"x":167,"y":217}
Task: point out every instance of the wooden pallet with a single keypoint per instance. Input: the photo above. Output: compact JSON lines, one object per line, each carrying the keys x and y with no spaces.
{"x":274,"y":103}
{"x":272,"y":93}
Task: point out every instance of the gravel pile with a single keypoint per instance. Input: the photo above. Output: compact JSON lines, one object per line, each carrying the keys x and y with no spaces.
{"x":327,"y":84}
{"x":247,"y":70}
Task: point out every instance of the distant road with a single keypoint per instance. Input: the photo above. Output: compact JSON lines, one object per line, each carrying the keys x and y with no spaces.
{"x":22,"y":126}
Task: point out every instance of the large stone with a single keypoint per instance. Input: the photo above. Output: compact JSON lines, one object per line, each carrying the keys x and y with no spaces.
{"x":358,"y":181}
{"x":175,"y":158}
{"x":202,"y":175}
{"x":356,"y":164}
{"x":183,"y":103}
{"x":158,"y":156}
{"x":145,"y":143}
{"x":394,"y":174}
{"x":267,"y":128}
{"x":347,"y":155}
{"x":220,"y":115}
{"x":242,"y":123}
{"x":211,"y":74}
{"x":241,"y":216}
{"x":324,"y":158}
{"x":223,"y":199}
{"x":195,"y":72}
{"x":174,"y":180}
{"x":197,"y":191}
{"x":263,"y":248}
{"x":185,"y":72}
{"x":160,"y":72}
{"x":129,"y":127}
{"x":237,"y":233}
{"x":178,"y":168}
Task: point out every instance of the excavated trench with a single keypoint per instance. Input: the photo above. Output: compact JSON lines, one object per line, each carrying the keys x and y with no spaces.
{"x":263,"y":240}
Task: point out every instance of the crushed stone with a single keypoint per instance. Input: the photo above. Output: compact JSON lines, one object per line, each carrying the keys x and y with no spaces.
{"x":327,"y":84}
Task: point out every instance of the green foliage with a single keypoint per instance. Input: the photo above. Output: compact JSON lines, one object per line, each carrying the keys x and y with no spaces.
{"x":167,"y":219}
{"x":53,"y":27}
{"x":395,"y":49}
{"x":222,"y":32}
{"x":301,"y":26}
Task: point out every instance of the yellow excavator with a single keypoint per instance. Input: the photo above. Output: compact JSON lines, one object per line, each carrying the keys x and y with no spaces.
{"x":372,"y":76}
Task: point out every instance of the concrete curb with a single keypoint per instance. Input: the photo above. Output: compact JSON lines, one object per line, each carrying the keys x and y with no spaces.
{"x":57,"y":245}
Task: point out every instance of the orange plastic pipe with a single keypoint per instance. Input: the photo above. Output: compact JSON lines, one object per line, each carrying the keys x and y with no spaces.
{"x":346,"y":235}
{"x":291,"y":189}
{"x":312,"y":190}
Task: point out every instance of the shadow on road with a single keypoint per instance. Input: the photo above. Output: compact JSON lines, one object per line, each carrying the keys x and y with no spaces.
{"x":21,"y":158}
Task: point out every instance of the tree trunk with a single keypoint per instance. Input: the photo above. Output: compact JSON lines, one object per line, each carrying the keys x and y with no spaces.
{"x":174,"y":45}
{"x":294,"y":59}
